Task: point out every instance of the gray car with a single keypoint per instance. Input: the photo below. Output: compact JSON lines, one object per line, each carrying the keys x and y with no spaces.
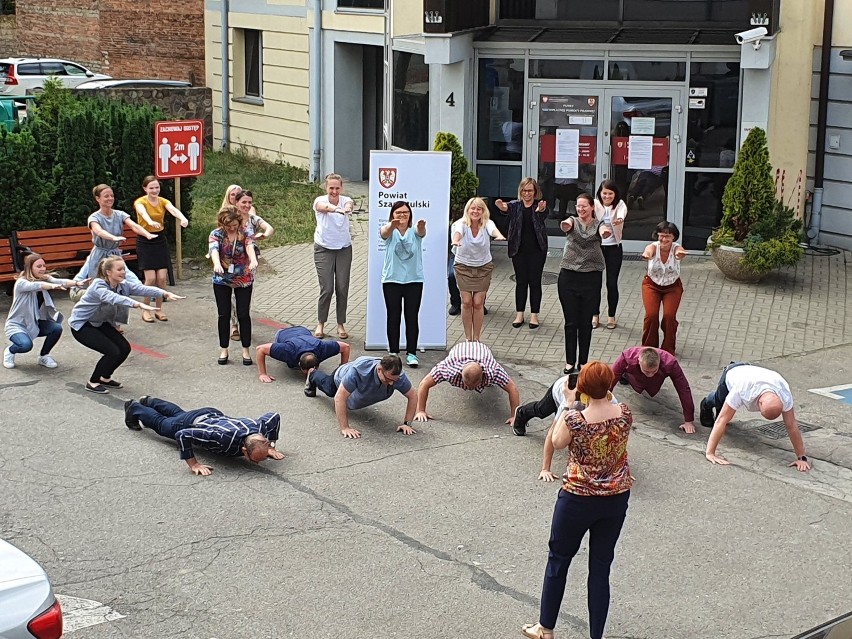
{"x":28,"y":607}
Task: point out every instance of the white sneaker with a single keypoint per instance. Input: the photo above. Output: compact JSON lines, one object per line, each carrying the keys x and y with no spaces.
{"x":8,"y":358}
{"x":47,"y":361}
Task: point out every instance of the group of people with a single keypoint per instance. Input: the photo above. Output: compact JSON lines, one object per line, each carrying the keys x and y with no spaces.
{"x":588,"y":420}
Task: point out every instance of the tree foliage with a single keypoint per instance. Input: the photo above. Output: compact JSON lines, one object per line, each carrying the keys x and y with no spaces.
{"x":463,"y":183}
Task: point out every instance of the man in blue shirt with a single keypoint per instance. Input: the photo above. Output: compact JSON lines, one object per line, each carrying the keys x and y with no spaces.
{"x":206,"y":428}
{"x":361,"y":383}
{"x":297,"y":347}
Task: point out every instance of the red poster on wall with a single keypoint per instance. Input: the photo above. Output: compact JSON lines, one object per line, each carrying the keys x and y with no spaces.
{"x":587,"y":154}
{"x":659,"y":151}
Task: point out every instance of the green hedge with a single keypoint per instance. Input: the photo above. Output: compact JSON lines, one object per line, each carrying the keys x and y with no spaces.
{"x":70,"y":144}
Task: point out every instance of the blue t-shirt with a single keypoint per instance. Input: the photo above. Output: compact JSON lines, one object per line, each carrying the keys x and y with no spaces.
{"x":290,"y":343}
{"x":403,"y":258}
{"x":361,"y":379}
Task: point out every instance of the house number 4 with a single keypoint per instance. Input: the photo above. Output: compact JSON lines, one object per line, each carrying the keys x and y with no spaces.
{"x":451,"y":100}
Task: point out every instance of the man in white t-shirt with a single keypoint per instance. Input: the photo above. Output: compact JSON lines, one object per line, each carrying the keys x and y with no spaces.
{"x":756,"y":389}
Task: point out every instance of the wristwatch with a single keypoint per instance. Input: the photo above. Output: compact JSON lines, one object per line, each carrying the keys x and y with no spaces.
{"x":407,"y":422}
{"x":803,"y":458}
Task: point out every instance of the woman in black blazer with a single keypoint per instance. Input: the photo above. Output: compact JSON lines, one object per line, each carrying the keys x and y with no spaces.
{"x":527,"y":247}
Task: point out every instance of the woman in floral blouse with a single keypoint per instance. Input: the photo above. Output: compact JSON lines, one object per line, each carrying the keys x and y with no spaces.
{"x":234,"y":264}
{"x":594,"y":495}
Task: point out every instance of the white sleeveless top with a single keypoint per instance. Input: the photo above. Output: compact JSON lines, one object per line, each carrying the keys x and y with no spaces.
{"x":664,"y":273}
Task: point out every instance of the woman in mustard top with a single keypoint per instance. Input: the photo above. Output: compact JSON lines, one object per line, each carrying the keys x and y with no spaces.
{"x":153,"y":255}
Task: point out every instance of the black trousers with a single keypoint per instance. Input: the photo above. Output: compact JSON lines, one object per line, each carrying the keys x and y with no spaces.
{"x":242,"y":295}
{"x":580,"y":297}
{"x":107,"y":341}
{"x":528,"y":269}
{"x":613,"y":256}
{"x":399,"y":299}
{"x":541,"y":409}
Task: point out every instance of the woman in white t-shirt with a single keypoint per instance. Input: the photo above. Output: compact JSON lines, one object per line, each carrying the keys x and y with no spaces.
{"x":611,"y":210}
{"x":333,"y":253}
{"x":471,"y":236}
{"x":662,"y":286}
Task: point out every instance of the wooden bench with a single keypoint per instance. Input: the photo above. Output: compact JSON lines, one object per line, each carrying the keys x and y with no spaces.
{"x":67,"y":248}
{"x":8,"y":266}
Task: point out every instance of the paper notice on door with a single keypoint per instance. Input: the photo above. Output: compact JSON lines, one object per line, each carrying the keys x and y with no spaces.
{"x":567,"y":153}
{"x":639,"y":151}
{"x":642,"y":126}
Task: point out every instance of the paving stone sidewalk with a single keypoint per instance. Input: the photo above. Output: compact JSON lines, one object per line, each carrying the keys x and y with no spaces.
{"x":794,"y":310}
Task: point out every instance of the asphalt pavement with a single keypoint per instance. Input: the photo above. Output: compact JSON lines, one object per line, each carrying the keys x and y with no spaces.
{"x":440,"y":534}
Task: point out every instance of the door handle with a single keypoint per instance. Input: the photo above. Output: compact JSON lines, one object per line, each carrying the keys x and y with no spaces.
{"x":676,"y":138}
{"x":532,"y":134}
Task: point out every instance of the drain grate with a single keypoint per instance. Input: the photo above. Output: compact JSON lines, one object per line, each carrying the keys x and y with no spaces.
{"x":548,"y":278}
{"x":777,"y":430}
{"x":632,"y":257}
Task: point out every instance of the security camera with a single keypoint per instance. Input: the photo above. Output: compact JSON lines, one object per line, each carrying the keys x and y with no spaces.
{"x":752,"y":36}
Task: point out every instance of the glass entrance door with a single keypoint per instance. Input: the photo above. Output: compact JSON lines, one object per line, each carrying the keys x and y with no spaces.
{"x":579,"y":138}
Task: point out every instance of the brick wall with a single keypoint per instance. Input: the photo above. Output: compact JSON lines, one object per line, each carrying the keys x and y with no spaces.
{"x":8,"y":37}
{"x":124,"y":38}
{"x":194,"y":103}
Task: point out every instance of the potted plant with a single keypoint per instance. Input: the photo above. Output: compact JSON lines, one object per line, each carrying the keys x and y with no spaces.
{"x":463,"y":183}
{"x":758,"y":231}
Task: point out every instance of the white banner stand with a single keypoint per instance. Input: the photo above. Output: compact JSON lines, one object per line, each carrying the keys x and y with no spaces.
{"x":421,"y":178}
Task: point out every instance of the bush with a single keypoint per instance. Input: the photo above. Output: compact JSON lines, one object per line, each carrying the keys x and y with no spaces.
{"x":25,"y":190}
{"x":463,"y":183}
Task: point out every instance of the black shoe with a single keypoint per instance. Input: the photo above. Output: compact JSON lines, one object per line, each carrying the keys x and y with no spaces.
{"x":520,"y":425}
{"x":247,"y":361}
{"x":454,"y":309}
{"x":111,"y":383}
{"x":706,"y":415}
{"x":222,"y":360}
{"x":131,"y":421}
{"x":571,"y":371}
{"x":518,"y":324}
{"x":623,"y":380}
{"x":310,"y":387}
{"x":144,"y":399}
{"x":485,"y":310}
{"x":99,"y":389}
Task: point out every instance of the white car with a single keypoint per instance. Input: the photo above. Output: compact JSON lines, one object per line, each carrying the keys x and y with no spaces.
{"x":19,"y":74}
{"x":28,"y":607}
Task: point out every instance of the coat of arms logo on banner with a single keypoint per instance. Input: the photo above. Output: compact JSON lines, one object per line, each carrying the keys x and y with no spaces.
{"x":387,"y":177}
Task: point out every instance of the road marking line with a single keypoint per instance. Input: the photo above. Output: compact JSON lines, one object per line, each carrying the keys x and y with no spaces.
{"x":80,"y":613}
{"x":148,"y":351}
{"x":831,"y":391}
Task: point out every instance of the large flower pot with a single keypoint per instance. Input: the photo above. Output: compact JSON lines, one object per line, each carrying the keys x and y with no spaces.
{"x":729,"y":259}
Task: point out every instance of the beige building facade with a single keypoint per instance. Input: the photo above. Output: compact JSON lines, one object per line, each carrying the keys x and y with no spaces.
{"x":654,"y":95}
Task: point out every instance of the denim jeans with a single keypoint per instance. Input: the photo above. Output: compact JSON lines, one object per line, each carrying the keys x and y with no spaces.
{"x":573,"y":515}
{"x":717,"y":397}
{"x":51,"y":331}
{"x":324,"y":382}
{"x":165,"y":418}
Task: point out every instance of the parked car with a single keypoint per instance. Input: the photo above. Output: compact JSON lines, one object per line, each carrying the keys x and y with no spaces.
{"x":28,"y":607}
{"x":840,"y":628}
{"x":133,"y":84}
{"x":19,"y":74}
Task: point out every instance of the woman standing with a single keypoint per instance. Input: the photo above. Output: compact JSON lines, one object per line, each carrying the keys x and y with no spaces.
{"x":234,"y":262}
{"x":662,"y":285}
{"x":258,"y":227}
{"x":33,"y":314}
{"x":594,"y":496}
{"x":402,"y":278}
{"x":473,"y":267}
{"x":333,"y":252}
{"x":104,"y":305}
{"x":579,"y":284}
{"x":153,"y":255}
{"x":527,"y":247}
{"x":107,"y":227}
{"x":611,"y":210}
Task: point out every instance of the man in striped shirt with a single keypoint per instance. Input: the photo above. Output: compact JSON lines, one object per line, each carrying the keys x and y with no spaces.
{"x":207,"y":428}
{"x":469,"y":366}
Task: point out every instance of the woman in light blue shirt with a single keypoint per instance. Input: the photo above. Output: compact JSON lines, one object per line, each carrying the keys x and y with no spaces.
{"x":402,"y":278}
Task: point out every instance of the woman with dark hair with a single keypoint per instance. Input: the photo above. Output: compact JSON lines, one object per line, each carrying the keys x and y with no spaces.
{"x":95,"y":317}
{"x":579,"y":283}
{"x":527,"y":237}
{"x":611,"y":210}
{"x":402,"y":278}
{"x":33,"y":314}
{"x":153,"y":255}
{"x":594,"y":497}
{"x":662,"y":285}
{"x":234,"y":263}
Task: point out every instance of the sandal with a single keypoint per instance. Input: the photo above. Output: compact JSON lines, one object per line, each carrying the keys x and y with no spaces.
{"x":611,"y":323}
{"x":147,"y":317}
{"x":319,"y":332}
{"x":536,"y":631}
{"x":342,"y":334}
{"x":161,"y":316}
{"x":596,"y":322}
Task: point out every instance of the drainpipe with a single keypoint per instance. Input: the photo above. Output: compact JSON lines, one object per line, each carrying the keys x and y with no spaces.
{"x":822,"y":121}
{"x":315,"y":112}
{"x":226,"y":73}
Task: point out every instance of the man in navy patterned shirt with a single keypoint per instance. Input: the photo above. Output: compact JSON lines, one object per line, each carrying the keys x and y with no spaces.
{"x":207,"y":428}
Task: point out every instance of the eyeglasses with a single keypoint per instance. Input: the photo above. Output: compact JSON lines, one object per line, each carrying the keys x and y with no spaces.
{"x":527,"y":190}
{"x":388,"y":379}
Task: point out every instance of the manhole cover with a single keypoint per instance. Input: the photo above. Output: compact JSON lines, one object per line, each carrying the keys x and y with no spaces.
{"x":547,"y":278}
{"x":777,"y":430}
